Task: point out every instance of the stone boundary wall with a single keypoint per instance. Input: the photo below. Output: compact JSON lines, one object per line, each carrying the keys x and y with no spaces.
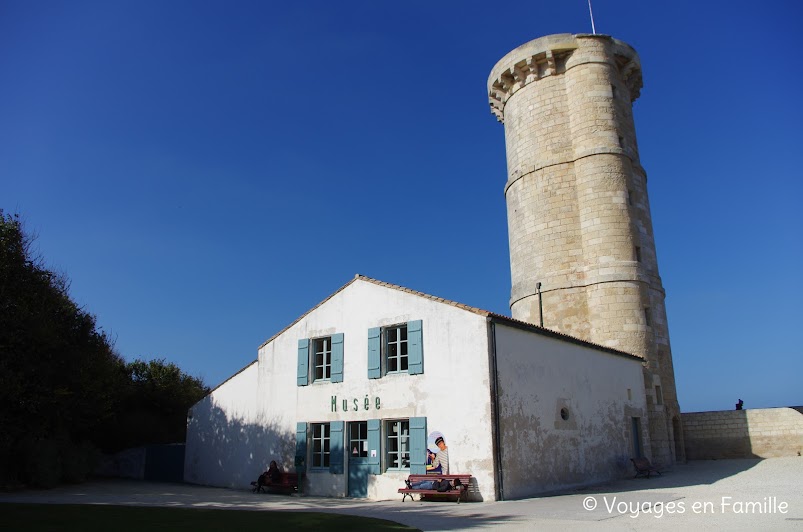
{"x":754,"y":433}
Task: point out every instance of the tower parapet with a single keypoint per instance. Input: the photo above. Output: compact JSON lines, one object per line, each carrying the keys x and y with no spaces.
{"x":582,"y":252}
{"x":549,"y":56}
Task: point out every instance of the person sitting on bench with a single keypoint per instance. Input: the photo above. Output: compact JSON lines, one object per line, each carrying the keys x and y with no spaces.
{"x":435,"y":484}
{"x":271,"y":476}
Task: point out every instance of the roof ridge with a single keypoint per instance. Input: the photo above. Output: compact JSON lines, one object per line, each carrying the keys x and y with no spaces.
{"x":451,"y":302}
{"x":456,"y":304}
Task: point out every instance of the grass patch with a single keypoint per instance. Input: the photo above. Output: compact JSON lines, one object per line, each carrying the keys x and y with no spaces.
{"x":90,"y":518}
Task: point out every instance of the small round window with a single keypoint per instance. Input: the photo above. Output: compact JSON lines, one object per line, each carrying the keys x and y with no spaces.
{"x":564,"y":414}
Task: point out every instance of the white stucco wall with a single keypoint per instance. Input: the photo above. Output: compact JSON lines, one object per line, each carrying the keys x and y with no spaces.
{"x":538,"y":376}
{"x":453,"y":393}
{"x":228,"y":437}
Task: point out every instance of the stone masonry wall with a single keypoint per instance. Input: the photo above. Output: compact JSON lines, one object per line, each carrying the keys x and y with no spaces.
{"x":582,"y":251}
{"x":755,"y":433}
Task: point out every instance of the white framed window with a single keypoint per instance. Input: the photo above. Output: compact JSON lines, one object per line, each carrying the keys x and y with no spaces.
{"x":358,"y":439}
{"x":396,"y":348}
{"x":320,"y":445}
{"x":397,"y":444}
{"x":322,"y":359}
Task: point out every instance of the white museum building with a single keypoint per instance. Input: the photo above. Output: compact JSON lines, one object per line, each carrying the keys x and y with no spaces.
{"x":354,"y":392}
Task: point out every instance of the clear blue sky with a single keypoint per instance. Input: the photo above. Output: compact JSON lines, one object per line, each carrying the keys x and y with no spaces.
{"x":206,"y":171}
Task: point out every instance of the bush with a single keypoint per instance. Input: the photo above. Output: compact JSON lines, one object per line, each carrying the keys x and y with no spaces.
{"x":77,"y":461}
{"x":41,"y":461}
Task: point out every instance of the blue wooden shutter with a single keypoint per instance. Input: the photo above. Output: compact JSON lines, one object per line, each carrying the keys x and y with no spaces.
{"x":301,"y":447}
{"x":336,"y":447}
{"x":303,"y":362}
{"x":415,"y":348}
{"x":337,"y":357}
{"x":374,"y":353}
{"x":374,"y":444}
{"x":418,"y":445}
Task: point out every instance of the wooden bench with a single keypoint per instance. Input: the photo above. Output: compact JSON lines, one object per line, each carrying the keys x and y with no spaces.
{"x":287,"y":483}
{"x":458,"y":494}
{"x":644,"y":467}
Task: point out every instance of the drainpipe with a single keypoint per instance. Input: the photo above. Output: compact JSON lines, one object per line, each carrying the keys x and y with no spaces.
{"x":495,"y":433}
{"x":540,"y":304}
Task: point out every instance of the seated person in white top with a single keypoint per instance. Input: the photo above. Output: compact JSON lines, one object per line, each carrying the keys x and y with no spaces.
{"x":441,"y":459}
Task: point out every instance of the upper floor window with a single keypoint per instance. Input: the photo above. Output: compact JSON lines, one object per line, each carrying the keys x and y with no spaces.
{"x":396,"y":348}
{"x":322,"y":349}
{"x":320,"y":359}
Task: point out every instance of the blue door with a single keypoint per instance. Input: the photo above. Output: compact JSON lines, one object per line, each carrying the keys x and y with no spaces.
{"x":357,"y":452}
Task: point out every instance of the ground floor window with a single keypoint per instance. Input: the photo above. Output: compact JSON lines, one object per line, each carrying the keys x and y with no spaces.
{"x":320,"y":444}
{"x":358,"y":439}
{"x":398,"y":444}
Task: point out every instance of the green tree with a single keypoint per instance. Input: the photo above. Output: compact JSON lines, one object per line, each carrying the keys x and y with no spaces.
{"x":63,"y":388}
{"x":154,"y":404}
{"x":58,"y":373}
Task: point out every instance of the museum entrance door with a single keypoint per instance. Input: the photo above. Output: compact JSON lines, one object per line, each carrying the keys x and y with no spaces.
{"x":357,"y":452}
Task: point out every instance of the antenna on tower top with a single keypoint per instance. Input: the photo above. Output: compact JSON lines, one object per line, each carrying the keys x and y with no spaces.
{"x":593,"y":29}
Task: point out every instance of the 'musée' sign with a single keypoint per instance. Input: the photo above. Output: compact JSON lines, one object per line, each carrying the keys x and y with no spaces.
{"x":355,"y":404}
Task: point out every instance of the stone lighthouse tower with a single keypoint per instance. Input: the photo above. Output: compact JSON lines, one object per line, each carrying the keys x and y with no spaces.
{"x":582,"y":252}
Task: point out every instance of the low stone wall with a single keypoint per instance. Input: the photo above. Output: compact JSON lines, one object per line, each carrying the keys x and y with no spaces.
{"x":755,"y":433}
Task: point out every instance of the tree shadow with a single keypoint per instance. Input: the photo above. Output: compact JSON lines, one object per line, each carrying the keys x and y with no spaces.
{"x":227,"y":452}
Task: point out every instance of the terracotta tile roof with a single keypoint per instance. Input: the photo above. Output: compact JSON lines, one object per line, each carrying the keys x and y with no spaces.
{"x":476,"y":310}
{"x":500,"y":318}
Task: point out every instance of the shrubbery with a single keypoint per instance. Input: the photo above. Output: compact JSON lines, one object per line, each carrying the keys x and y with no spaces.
{"x":65,"y":393}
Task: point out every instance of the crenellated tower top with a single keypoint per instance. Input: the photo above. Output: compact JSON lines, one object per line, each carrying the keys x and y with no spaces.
{"x":553,"y":55}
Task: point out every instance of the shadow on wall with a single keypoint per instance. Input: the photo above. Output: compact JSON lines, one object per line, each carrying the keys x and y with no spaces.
{"x":754,"y":433}
{"x":228,"y":452}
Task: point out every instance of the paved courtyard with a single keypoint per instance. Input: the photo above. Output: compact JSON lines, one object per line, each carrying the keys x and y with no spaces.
{"x":729,"y":494}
